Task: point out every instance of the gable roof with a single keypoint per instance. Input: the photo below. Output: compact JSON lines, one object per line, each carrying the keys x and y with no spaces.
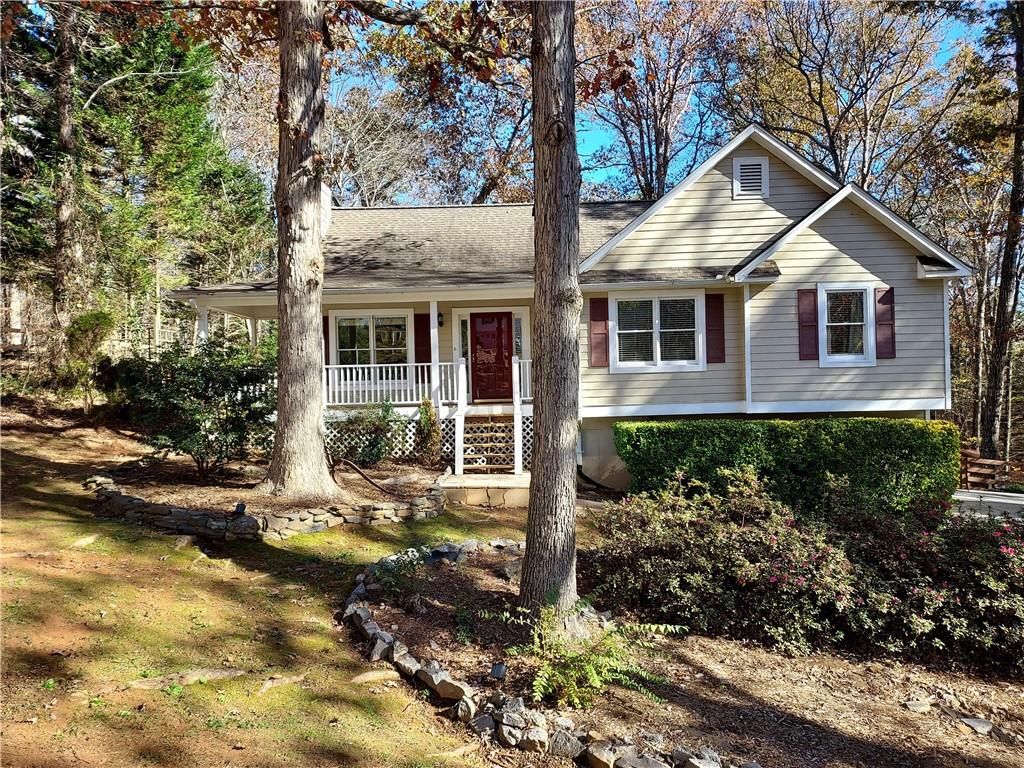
{"x":749,"y":267}
{"x":399,"y":248}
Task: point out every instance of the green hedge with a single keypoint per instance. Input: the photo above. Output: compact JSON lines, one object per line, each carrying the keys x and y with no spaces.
{"x":890,"y":464}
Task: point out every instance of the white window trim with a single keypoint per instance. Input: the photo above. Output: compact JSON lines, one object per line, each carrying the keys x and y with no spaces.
{"x":658,"y":366}
{"x":410,"y":342}
{"x":736,"y":163}
{"x":865,"y":360}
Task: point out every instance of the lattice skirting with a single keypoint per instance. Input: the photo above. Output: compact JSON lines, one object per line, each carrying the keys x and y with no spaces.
{"x":339,"y":441}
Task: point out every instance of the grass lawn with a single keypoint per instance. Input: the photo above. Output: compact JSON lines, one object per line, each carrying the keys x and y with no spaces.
{"x":90,"y":605}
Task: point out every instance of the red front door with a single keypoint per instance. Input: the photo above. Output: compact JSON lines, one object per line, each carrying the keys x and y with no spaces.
{"x":490,"y":339}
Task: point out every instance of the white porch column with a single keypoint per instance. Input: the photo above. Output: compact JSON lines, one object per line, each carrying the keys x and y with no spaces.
{"x":435,"y":358}
{"x":517,"y":419}
{"x":204,"y":323}
{"x":251,"y":322}
{"x":460,"y":415}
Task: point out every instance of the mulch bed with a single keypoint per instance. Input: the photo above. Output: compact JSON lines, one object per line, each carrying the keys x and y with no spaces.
{"x":748,"y":702}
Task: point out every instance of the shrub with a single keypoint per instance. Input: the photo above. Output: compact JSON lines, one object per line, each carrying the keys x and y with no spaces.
{"x":428,"y":435}
{"x":367,"y":437}
{"x":214,"y":405}
{"x":85,"y":336}
{"x":739,"y":563}
{"x":888,"y":464}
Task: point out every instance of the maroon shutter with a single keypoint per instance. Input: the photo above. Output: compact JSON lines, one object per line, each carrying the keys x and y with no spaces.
{"x":421,"y":337}
{"x":327,"y":342}
{"x":885,"y":324}
{"x":714,"y":326}
{"x":598,"y":333}
{"x":807,"y":317}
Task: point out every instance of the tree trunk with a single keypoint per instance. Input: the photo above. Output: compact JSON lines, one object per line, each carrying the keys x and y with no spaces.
{"x":549,"y":567}
{"x":67,"y":257}
{"x":1006,"y":298}
{"x":297,"y":466}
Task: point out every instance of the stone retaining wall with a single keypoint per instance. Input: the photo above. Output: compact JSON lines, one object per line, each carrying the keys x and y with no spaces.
{"x":238,"y":524}
{"x":491,"y":715}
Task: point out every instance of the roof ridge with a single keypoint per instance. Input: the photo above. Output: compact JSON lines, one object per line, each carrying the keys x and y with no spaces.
{"x":471,"y":205}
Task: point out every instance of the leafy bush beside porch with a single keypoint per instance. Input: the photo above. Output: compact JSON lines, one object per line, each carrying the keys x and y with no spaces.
{"x":881,"y":463}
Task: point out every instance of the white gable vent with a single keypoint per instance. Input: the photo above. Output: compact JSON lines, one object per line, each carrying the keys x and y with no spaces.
{"x":749,"y":177}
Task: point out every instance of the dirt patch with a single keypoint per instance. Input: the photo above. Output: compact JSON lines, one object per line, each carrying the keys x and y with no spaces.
{"x":748,"y":702}
{"x":173,"y":480}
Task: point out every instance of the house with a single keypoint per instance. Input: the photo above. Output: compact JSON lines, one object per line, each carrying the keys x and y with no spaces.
{"x":758,"y":286}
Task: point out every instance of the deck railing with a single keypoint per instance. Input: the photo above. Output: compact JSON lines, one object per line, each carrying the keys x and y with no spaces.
{"x":402,"y":384}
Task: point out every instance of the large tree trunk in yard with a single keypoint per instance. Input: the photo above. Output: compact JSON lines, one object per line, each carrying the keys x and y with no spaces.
{"x":298,"y":466}
{"x":67,"y":257}
{"x":1006,"y":298}
{"x":549,"y":567}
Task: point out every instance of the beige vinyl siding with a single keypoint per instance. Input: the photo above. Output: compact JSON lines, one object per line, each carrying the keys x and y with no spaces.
{"x":848,"y":245}
{"x":721,"y":382}
{"x":705,"y":227}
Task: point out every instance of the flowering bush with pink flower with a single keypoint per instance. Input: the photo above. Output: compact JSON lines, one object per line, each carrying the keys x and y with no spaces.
{"x":738,"y":563}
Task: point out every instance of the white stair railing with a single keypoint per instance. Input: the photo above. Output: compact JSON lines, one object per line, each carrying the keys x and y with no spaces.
{"x":460,"y":415}
{"x":517,"y":419}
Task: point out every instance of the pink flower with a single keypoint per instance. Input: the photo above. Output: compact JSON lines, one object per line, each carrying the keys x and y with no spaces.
{"x":1007,"y":550}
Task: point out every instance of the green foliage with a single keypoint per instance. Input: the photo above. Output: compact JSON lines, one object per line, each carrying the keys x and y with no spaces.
{"x":214,"y":405}
{"x":891,"y":465}
{"x":571,"y":671}
{"x":368,"y":435}
{"x":428,"y":435}
{"x":739,"y":563}
{"x":85,"y":337}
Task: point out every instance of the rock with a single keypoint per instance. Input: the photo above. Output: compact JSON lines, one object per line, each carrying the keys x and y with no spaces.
{"x":705,"y":758}
{"x":681,"y":755}
{"x":379,"y":645}
{"x":498,"y":671}
{"x":639,"y":762}
{"x":605,"y":754}
{"x":753,"y":764}
{"x":496,"y":699}
{"x":507,"y":735}
{"x":359,"y":615}
{"x":464,"y":711}
{"x":918,"y":705}
{"x":978,"y":724}
{"x":368,"y":629}
{"x":653,"y":740}
{"x":453,"y":689}
{"x":534,"y":740}
{"x":512,"y":569}
{"x":513,"y":719}
{"x":536,"y":718}
{"x":482,"y":726}
{"x":564,"y":744}
{"x":398,"y":648}
{"x":431,"y":675}
{"x":244,"y":524}
{"x":407,"y":664}
{"x":514,"y":705}
{"x":376,"y":676}
{"x":565,"y":723}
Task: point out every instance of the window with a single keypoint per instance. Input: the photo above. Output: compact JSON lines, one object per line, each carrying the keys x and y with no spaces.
{"x":846,"y":320}
{"x":368,"y":339}
{"x":657,"y":333}
{"x":749,"y":177}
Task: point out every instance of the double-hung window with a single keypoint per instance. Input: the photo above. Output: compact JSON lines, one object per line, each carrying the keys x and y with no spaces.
{"x":846,"y":325}
{"x":657,"y":332}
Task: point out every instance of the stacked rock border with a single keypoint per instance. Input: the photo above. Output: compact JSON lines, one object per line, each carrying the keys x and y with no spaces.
{"x":231,"y":525}
{"x":492,"y":716}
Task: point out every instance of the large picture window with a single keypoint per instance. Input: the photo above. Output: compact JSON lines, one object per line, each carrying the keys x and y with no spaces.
{"x":846,"y":313}
{"x":372,"y":338}
{"x":657,"y":332}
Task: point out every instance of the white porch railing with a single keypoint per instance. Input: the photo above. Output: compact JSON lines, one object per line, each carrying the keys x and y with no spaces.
{"x":397,"y":383}
{"x":405,"y":384}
